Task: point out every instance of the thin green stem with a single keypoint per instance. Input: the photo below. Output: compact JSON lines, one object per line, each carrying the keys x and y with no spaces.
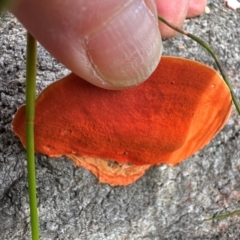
{"x":30,"y":112}
{"x":223,"y":216}
{"x":209,"y":49}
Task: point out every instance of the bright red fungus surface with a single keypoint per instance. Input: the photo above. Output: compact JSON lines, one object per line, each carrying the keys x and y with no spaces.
{"x":118,"y":135}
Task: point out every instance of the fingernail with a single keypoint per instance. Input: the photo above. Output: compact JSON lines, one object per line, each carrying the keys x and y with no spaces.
{"x":126,"y":48}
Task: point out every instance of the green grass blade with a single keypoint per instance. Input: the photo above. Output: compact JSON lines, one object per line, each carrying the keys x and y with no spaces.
{"x":226,"y":215}
{"x":30,"y":112}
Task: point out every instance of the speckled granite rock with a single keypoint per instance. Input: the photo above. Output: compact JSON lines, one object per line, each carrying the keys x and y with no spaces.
{"x":167,"y":203}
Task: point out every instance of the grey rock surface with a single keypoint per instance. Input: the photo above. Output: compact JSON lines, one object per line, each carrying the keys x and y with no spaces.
{"x":167,"y":203}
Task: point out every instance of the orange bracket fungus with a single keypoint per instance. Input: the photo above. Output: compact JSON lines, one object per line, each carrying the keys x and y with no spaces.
{"x":118,"y":135}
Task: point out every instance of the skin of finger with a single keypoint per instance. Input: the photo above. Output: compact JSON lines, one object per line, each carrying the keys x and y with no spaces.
{"x":63,"y":29}
{"x":175,"y":12}
{"x":196,"y":7}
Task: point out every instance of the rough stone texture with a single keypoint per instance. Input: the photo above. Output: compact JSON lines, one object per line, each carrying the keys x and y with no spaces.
{"x":167,"y":203}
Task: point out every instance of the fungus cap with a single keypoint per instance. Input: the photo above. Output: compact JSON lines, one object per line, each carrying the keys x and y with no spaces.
{"x":118,"y":135}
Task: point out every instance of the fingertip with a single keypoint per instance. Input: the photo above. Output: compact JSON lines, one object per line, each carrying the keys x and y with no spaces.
{"x":173,"y":11}
{"x":196,"y":7}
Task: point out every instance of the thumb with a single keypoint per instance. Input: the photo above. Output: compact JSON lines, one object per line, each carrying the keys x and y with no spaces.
{"x":112,"y":44}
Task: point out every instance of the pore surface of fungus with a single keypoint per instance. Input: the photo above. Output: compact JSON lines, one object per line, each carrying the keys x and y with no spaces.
{"x":118,"y":135}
